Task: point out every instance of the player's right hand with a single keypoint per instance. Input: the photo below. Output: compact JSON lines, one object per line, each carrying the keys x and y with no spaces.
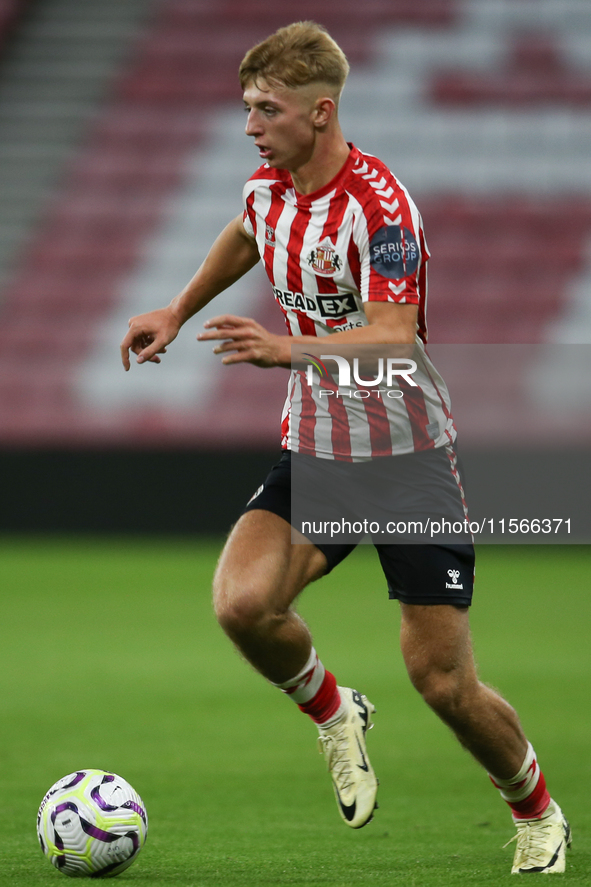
{"x":148,"y":336}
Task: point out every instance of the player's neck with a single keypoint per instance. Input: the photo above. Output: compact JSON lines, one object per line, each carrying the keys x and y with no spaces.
{"x":329,"y":157}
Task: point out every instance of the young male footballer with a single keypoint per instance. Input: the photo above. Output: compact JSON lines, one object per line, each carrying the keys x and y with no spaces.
{"x":343,"y":246}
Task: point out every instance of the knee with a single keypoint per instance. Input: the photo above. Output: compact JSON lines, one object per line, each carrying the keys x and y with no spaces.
{"x":446,"y":692}
{"x":242,"y":616}
{"x":241,"y":607}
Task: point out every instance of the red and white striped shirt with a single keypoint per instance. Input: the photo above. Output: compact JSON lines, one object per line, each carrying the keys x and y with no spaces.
{"x":359,"y":238}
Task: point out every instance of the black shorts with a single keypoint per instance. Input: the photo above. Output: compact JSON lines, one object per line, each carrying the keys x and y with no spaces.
{"x":416,"y":573}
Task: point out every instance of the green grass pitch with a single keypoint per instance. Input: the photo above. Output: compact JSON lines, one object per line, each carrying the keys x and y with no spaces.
{"x":110,"y":657}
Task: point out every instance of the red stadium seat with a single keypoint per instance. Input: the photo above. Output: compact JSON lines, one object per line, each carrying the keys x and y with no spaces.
{"x":499,"y":268}
{"x":536,"y":74}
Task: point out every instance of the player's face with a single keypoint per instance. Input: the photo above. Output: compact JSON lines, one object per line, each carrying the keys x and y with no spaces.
{"x":281,"y":121}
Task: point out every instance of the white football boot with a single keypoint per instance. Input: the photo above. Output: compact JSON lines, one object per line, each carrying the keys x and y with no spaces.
{"x":541,"y":843}
{"x":343,"y":746}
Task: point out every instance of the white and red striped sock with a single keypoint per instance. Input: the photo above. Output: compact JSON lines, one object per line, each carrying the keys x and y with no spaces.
{"x":526,"y":793}
{"x":315,"y":691}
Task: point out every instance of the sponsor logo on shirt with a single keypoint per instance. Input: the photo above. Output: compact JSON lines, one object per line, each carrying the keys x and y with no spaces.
{"x":334,"y":305}
{"x":394,"y":252}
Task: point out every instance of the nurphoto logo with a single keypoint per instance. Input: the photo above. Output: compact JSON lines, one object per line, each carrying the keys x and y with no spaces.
{"x":387,"y":370}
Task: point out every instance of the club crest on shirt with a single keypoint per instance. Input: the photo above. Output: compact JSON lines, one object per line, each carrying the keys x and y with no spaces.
{"x":324,"y":259}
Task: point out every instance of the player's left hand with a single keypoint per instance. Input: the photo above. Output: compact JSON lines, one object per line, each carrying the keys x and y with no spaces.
{"x":243,"y":340}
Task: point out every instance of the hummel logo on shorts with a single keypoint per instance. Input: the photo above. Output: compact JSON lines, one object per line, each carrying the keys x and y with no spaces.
{"x":454,"y":575}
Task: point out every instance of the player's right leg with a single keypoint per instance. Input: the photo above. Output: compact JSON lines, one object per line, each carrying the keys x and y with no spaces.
{"x":259,"y":575}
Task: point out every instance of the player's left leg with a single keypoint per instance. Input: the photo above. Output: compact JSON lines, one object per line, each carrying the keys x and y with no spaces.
{"x":436,"y":646}
{"x":437,"y":650}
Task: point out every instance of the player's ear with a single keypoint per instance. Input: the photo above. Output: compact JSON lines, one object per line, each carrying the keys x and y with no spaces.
{"x":324,"y":110}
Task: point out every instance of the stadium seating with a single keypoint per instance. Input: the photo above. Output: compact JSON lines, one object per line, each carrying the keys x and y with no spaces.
{"x":501,"y":265}
{"x":501,"y":262}
{"x":535,"y":72}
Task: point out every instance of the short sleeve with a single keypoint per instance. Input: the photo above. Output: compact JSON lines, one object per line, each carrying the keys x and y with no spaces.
{"x":392,"y":252}
{"x":247,"y":222}
{"x":248,"y":214}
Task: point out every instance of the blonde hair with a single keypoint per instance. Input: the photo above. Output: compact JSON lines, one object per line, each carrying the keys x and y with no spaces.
{"x":296,"y":55}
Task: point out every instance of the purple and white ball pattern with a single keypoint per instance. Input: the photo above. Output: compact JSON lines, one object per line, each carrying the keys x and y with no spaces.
{"x":92,"y":823}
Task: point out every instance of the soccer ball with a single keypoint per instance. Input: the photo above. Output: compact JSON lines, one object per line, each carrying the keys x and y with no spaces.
{"x":92,"y":823}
